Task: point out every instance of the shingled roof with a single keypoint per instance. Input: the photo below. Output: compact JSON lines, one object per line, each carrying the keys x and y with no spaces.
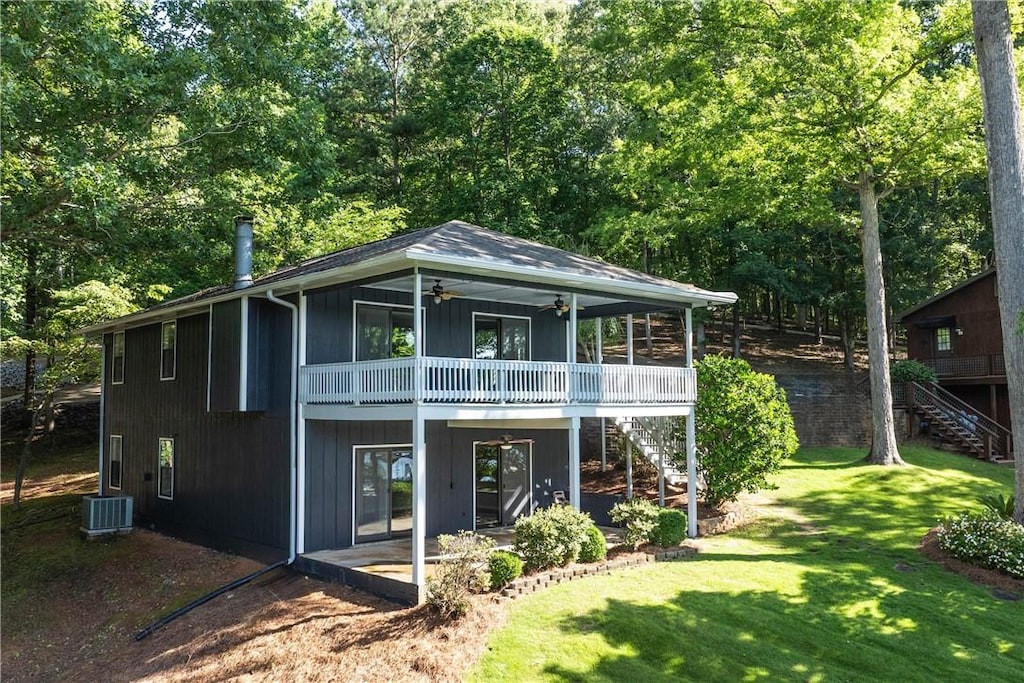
{"x":450,"y":244}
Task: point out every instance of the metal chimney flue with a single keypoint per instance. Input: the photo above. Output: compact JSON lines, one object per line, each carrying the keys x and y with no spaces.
{"x":243,"y":252}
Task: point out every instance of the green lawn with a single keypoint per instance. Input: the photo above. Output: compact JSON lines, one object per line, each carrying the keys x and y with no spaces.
{"x":830,"y":587}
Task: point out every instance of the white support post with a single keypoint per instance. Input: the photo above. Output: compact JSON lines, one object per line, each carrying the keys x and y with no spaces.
{"x":604,"y":445}
{"x":417,"y":333}
{"x":689,"y":336}
{"x":300,"y":441}
{"x":661,"y":474}
{"x":629,"y":467}
{"x":573,"y":321}
{"x":691,"y":474}
{"x":629,"y":339}
{"x":599,"y":341}
{"x":419,"y":505}
{"x":574,"y":462}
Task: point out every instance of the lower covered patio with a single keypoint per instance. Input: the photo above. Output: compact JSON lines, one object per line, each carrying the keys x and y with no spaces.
{"x":385,"y":567}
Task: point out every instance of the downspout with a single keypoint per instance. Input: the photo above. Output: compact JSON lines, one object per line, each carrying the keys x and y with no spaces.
{"x":293,"y":417}
{"x":101,"y":489}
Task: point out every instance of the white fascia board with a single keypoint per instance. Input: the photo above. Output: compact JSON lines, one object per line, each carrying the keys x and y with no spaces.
{"x":591,"y":282}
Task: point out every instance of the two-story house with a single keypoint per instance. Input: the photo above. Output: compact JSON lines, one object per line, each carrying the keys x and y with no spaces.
{"x":406,"y":388}
{"x":958,"y":334}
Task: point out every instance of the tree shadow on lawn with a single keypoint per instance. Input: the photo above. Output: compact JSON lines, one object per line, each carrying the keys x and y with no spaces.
{"x":849,"y":621}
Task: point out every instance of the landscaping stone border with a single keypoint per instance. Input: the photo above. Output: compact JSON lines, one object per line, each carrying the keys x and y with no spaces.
{"x":720,"y":525}
{"x":525,"y":585}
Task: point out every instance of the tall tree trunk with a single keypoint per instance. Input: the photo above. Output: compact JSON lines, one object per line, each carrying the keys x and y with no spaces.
{"x":848,"y":340}
{"x":647,"y":316}
{"x":26,"y":449}
{"x":883,"y":443}
{"x":994,"y":44}
{"x":817,"y":325}
{"x":29,"y":324}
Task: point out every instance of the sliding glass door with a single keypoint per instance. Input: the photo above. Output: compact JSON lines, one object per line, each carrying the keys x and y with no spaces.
{"x":502,"y":483}
{"x":383,"y":495}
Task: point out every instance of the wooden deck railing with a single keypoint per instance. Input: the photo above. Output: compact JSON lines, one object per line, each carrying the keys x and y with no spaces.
{"x":468,"y":380}
{"x":967,"y":366}
{"x":997,"y":439}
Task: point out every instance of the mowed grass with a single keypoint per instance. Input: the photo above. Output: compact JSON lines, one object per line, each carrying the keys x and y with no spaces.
{"x":828,"y":586}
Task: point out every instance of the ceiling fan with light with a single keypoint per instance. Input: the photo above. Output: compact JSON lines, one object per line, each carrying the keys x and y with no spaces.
{"x":438,"y":293}
{"x":560,"y":307}
{"x":506,"y":442}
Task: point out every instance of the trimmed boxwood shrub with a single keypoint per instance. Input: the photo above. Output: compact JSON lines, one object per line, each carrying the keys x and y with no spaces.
{"x":985,"y":540}
{"x":670,"y":529}
{"x":505,"y":567}
{"x":551,"y":536}
{"x":637,"y":517}
{"x":594,"y":547}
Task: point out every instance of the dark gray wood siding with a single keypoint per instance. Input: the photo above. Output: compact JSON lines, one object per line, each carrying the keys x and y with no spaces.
{"x":269,"y":379}
{"x":231,"y":469}
{"x":224,"y":343}
{"x":329,"y":487}
{"x":448,"y":326}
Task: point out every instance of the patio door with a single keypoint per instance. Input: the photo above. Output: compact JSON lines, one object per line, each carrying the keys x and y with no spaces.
{"x":502,"y":483}
{"x":383,"y":492}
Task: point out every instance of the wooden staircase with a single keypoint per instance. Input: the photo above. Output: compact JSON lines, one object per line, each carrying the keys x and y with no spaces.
{"x":958,"y":423}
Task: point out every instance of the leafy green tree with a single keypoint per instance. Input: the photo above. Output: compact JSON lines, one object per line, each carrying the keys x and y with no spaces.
{"x":70,"y":358}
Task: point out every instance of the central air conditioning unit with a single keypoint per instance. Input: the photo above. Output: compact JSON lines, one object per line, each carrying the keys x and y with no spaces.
{"x":103,"y":515}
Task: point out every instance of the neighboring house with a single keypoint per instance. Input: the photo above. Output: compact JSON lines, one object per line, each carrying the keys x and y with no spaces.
{"x":958,"y":334}
{"x":414,"y":386}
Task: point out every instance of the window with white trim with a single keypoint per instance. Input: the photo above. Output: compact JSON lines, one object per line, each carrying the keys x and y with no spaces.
{"x":114,"y":463}
{"x":117,"y":359}
{"x":383,"y":332}
{"x":165,"y":469}
{"x":501,"y":337}
{"x":943,"y":339}
{"x":168,"y":349}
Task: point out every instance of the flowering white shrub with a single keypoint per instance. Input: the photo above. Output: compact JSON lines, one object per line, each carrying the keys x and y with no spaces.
{"x":985,"y":540}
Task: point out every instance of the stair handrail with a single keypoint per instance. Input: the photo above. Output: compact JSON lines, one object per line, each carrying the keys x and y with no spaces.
{"x":944,"y":399}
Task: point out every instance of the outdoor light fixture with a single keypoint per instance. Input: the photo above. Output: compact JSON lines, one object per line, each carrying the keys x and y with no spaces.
{"x":506,"y":443}
{"x":959,"y":331}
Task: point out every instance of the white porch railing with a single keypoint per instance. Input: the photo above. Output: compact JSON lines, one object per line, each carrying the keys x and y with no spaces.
{"x":469,"y":380}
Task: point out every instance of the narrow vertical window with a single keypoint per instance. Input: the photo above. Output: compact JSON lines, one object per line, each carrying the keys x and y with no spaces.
{"x":117,"y":359}
{"x":943,"y":339}
{"x":168,"y":343}
{"x":165,"y":469}
{"x":114,"y":464}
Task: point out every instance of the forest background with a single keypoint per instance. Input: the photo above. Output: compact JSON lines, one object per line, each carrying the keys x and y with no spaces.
{"x":719,"y":143}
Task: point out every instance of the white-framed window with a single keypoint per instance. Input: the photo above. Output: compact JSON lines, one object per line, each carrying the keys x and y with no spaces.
{"x":943,"y":339}
{"x":501,"y":337}
{"x":168,"y":349}
{"x":117,"y":359}
{"x":114,"y":463}
{"x":165,"y":469}
{"x":383,"y":331}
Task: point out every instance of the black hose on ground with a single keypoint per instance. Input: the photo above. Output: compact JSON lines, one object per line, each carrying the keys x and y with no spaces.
{"x":160,"y":623}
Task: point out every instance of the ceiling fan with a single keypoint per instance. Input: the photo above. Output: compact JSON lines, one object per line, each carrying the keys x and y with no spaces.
{"x":560,"y":306}
{"x":506,"y":442}
{"x":439,"y":293}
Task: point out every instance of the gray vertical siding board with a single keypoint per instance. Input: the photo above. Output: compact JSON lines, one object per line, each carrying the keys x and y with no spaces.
{"x":224,"y":355}
{"x":231,"y":469}
{"x":449,"y":325}
{"x":449,"y":473}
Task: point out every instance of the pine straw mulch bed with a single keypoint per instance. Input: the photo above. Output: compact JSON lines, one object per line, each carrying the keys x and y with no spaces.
{"x":1010,"y":587}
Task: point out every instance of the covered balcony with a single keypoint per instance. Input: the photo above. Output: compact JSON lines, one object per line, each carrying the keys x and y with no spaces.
{"x":458,"y":381}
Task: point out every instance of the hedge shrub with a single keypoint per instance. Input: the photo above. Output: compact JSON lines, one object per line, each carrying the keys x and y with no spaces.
{"x":637,"y":517}
{"x":670,"y":528}
{"x":744,"y":428}
{"x":551,"y":536}
{"x":986,"y":540}
{"x":912,"y":371}
{"x":504,"y":567}
{"x":594,"y":547}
